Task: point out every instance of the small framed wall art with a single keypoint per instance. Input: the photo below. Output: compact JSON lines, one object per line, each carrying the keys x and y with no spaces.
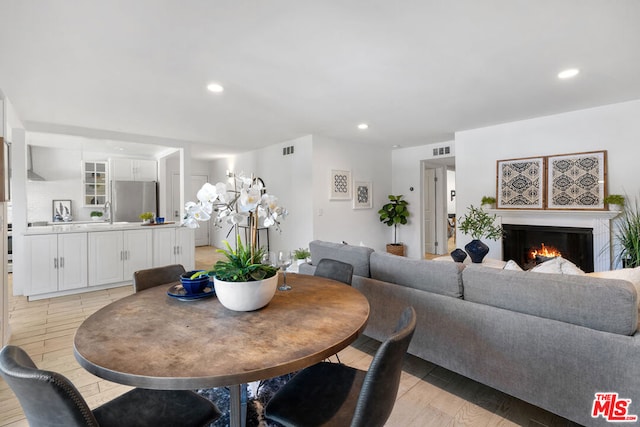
{"x":61,"y":210}
{"x":362,"y":195}
{"x":340,"y":185}
{"x":521,"y":183}
{"x":576,"y":181}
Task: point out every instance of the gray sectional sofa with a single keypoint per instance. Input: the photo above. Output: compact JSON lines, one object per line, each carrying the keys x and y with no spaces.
{"x":549,"y":339}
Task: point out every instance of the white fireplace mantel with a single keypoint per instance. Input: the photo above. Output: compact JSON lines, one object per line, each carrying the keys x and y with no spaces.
{"x":599,"y":221}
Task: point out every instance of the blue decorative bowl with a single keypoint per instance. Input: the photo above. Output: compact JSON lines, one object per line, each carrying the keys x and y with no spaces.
{"x":193,"y":286}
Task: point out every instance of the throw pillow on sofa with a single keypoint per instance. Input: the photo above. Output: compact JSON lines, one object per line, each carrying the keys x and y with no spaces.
{"x":558,"y":265}
{"x":512,"y":265}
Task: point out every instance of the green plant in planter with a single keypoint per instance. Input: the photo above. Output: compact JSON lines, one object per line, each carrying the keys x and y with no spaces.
{"x":478,"y":224}
{"x":614,"y":199}
{"x":301,"y":253}
{"x":393,"y":213}
{"x":96,"y":214}
{"x":240,"y":265}
{"x":146,"y":216}
{"x":488,"y":200}
{"x":627,"y":233}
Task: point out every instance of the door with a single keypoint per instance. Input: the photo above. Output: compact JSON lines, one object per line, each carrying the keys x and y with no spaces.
{"x":138,"y":251}
{"x":164,"y":247}
{"x":185,"y":249}
{"x":106,"y":255}
{"x":42,"y":255}
{"x":72,"y":261}
{"x":429,"y":214}
{"x":435,"y":219}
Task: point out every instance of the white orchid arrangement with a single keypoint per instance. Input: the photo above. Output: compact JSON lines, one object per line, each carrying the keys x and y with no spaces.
{"x":242,"y":204}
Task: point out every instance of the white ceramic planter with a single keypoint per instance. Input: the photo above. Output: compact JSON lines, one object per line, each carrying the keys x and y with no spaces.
{"x":246,"y":296}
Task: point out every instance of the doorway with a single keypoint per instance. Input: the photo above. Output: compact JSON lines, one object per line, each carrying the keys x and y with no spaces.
{"x":438,"y":207}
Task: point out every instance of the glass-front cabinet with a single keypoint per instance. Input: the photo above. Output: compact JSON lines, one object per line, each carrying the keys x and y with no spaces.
{"x":95,"y":183}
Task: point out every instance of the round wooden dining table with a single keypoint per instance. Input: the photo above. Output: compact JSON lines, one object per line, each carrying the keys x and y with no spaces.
{"x":152,"y":340}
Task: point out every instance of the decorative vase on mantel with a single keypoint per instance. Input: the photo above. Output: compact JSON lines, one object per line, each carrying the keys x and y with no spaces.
{"x":458,"y":255}
{"x":476,"y":250}
{"x":246,"y":296}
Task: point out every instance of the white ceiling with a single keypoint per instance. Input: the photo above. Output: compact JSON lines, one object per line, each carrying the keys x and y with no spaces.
{"x":415,"y":70}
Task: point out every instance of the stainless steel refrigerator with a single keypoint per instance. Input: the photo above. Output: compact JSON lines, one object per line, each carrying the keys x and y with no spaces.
{"x":131,"y":198}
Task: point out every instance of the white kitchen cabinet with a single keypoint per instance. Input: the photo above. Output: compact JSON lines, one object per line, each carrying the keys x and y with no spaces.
{"x":174,"y":246}
{"x":95,"y":183}
{"x":115,"y":255}
{"x":56,"y":262}
{"x":133,"y":170}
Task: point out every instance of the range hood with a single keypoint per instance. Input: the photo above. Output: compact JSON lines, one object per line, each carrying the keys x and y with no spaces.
{"x":31,"y":175}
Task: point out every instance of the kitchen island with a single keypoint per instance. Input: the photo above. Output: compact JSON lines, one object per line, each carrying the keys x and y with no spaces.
{"x":67,"y":258}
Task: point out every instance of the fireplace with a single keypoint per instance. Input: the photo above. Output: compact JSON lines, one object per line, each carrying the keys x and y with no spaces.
{"x":522,"y":243}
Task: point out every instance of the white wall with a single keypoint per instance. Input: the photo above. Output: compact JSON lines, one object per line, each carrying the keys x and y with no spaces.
{"x":301,"y":182}
{"x":339,"y":221}
{"x":286,"y":177}
{"x":615,"y":128}
{"x":407,"y":174}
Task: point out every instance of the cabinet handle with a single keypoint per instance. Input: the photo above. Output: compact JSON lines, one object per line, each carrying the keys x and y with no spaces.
{"x":121,"y":256}
{"x":55,"y":263}
{"x":128,"y":254}
{"x":61,"y":262}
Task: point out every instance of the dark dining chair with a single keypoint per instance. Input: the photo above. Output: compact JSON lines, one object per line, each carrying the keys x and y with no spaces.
{"x":145,"y":279}
{"x":49,"y":399}
{"x":335,"y":270}
{"x":331,"y":394}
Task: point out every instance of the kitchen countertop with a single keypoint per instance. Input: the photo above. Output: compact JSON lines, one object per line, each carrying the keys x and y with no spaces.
{"x":83,"y":227}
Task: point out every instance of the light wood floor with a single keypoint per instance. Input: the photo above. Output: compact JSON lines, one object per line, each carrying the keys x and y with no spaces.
{"x":429,"y":395}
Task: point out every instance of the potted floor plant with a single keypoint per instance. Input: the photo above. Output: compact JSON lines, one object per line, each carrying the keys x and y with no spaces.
{"x":242,"y":281}
{"x":478,"y":224}
{"x":393,"y":214}
{"x":627,"y":234}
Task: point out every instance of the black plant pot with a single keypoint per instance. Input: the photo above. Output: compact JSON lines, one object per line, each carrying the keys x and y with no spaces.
{"x":476,"y":250}
{"x":458,"y":255}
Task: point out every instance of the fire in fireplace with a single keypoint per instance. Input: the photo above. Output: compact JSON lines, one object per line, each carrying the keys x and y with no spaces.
{"x":529,"y":245}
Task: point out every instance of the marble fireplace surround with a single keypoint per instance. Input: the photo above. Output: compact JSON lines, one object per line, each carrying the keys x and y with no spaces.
{"x":599,"y":221}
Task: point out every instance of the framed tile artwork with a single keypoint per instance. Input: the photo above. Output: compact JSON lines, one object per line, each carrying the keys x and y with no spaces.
{"x":362,"y":195}
{"x":340,"y":185}
{"x":61,"y":210}
{"x":576,"y":181}
{"x":520,"y":183}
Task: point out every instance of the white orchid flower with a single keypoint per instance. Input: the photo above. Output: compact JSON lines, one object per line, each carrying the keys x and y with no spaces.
{"x":249,"y":199}
{"x":269,"y":221}
{"x":208,"y":193}
{"x":271,"y":202}
{"x":238,"y":218}
{"x":190,"y":222}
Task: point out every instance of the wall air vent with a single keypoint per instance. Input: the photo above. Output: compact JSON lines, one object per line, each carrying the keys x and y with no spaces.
{"x":287,"y":150}
{"x":442,"y":151}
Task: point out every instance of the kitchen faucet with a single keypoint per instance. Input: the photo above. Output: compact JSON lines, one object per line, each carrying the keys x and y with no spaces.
{"x":109,"y":212}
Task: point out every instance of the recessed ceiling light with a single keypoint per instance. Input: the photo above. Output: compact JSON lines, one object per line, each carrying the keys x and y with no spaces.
{"x":215,"y":87}
{"x":363,"y":126}
{"x":568,"y":73}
